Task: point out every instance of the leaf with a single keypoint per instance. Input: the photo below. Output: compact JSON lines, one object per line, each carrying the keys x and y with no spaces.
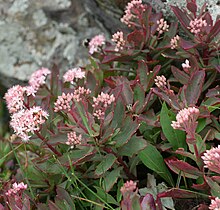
{"x":150,"y":79}
{"x":119,"y":113}
{"x":62,"y":194}
{"x":134,"y":145}
{"x":131,"y":202}
{"x":52,"y":205}
{"x":152,"y":158}
{"x":192,"y":7}
{"x":110,"y":179}
{"x":142,"y":71}
{"x":214,"y":31}
{"x":175,"y":137}
{"x":183,"y":168}
{"x":181,"y":76}
{"x":136,"y":38}
{"x":148,"y":203}
{"x":105,"y":164}
{"x":128,"y":129}
{"x":139,"y":98}
{"x":193,"y":89}
{"x":215,"y":188}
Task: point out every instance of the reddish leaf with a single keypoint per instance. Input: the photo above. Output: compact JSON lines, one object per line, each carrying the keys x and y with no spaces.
{"x":214,"y":31}
{"x":142,"y":73}
{"x":136,"y":38}
{"x":202,"y":186}
{"x":186,"y":45}
{"x":181,"y":76}
{"x":178,"y":166}
{"x":192,"y":7}
{"x":148,"y":202}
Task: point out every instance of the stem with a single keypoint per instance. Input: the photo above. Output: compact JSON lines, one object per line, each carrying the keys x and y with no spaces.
{"x":119,"y":159}
{"x":48,"y":145}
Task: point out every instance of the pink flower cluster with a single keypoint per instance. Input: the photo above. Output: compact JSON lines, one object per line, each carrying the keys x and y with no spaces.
{"x":162,"y":26}
{"x":16,"y":189}
{"x":196,"y":25}
{"x":186,"y":66}
{"x":95,"y":43}
{"x":63,"y":102}
{"x":186,"y":119}
{"x":160,"y":81}
{"x":211,"y":159}
{"x":128,"y":187}
{"x":174,"y":42}
{"x":73,"y":139}
{"x":28,"y":121}
{"x":215,"y":204}
{"x":79,"y":92}
{"x":132,"y":9}
{"x":38,"y":78}
{"x":101,"y":103}
{"x":118,"y":38}
{"x":75,"y":73}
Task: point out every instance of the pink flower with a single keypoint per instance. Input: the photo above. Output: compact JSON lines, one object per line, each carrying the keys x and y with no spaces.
{"x":160,"y":81}
{"x":162,"y":26}
{"x":215,"y":204}
{"x":196,"y":25}
{"x":63,"y":102}
{"x":128,"y":187}
{"x":16,"y":189}
{"x":79,"y":92}
{"x":174,"y":42}
{"x":73,"y":139}
{"x":38,"y":78}
{"x":28,"y":121}
{"x":95,"y":43}
{"x":15,"y":98}
{"x":211,"y":159}
{"x":118,"y":38}
{"x":186,"y":65}
{"x":75,"y":73}
{"x":133,"y":8}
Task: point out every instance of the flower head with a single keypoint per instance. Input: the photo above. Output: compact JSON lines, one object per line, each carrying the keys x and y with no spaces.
{"x":95,"y":43}
{"x":211,"y":159}
{"x":174,"y":42}
{"x":160,"y":81}
{"x":38,"y":78}
{"x":196,"y":25}
{"x":118,"y":38}
{"x":63,"y":102}
{"x":15,"y":98}
{"x":162,"y":26}
{"x":215,"y":204}
{"x":133,"y":8}
{"x":73,"y":139}
{"x":186,"y":65}
{"x":72,"y":74}
{"x":28,"y":121}
{"x":16,"y":189}
{"x":128,"y":187}
{"x":79,"y":92}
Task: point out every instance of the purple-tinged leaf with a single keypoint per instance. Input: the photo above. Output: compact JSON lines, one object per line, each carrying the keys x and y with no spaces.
{"x":181,"y":76}
{"x":183,"y":168}
{"x":214,"y":31}
{"x":148,"y":202}
{"x":217,"y":67}
{"x":209,"y":81}
{"x":139,"y":97}
{"x":62,"y":194}
{"x":213,"y":92}
{"x":216,"y":179}
{"x":142,"y":73}
{"x":186,"y":45}
{"x":212,"y":103}
{"x":201,"y":187}
{"x":193,"y":89}
{"x":136,"y":38}
{"x":192,"y":7}
{"x":153,"y":22}
{"x":131,"y":203}
{"x":214,"y":186}
{"x":182,"y":17}
{"x":150,"y":79}
{"x":52,"y":205}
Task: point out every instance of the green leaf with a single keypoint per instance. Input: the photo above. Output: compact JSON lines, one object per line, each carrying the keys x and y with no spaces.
{"x":105,"y":164}
{"x":119,"y":113}
{"x":110,"y":179}
{"x":142,"y":73}
{"x":134,"y":145}
{"x":152,"y":158}
{"x":139,"y":98}
{"x":175,"y":137}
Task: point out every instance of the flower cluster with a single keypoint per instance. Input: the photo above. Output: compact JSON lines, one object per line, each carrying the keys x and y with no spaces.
{"x":63,"y":102}
{"x":215,"y":204}
{"x":174,"y":42}
{"x":38,"y":78}
{"x":79,"y":92}
{"x":160,"y":81}
{"x":211,"y":159}
{"x":185,"y":118}
{"x":186,"y":65}
{"x":196,"y":25}
{"x":75,"y":73}
{"x":73,"y":139}
{"x":118,"y":38}
{"x":131,"y":11}
{"x":128,"y":187}
{"x":95,"y":43}
{"x":101,"y":103}
{"x":28,"y":121}
{"x":162,"y":26}
{"x":16,"y":189}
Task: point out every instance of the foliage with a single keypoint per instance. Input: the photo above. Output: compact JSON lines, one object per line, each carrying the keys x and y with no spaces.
{"x":104,"y":123}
